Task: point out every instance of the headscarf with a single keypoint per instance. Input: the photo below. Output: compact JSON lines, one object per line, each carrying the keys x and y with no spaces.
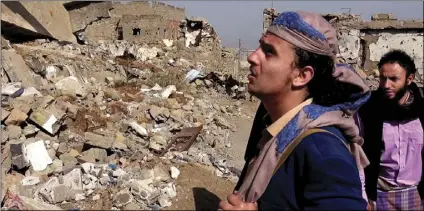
{"x":313,"y":33}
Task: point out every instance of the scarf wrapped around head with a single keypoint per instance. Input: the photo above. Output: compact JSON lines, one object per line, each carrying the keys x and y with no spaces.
{"x":313,"y":33}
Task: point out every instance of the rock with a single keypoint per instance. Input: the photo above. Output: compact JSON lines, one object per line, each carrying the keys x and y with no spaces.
{"x":123,"y":198}
{"x":119,"y":173}
{"x":96,"y":197}
{"x":187,"y":107}
{"x":38,"y":156}
{"x":132,"y":206}
{"x":4,"y":136}
{"x":168,"y":91}
{"x":11,"y":88}
{"x":94,"y":155}
{"x":119,"y":146}
{"x":169,"y":190}
{"x":68,"y":159}
{"x":172,"y":103}
{"x":50,"y":72}
{"x":223,"y":123}
{"x":104,"y":180}
{"x":48,"y":121}
{"x":73,"y":181}
{"x":61,"y":193}
{"x":98,"y":140}
{"x":155,"y":111}
{"x":71,"y":85}
{"x":16,"y":68}
{"x":164,"y":202}
{"x":14,"y":131}
{"x":138,"y":128}
{"x":57,"y":166}
{"x":4,"y":114}
{"x":89,"y":182}
{"x":160,"y":173}
{"x":74,"y":153}
{"x":30,"y":180}
{"x":17,"y":151}
{"x":168,"y":43}
{"x":31,"y":91}
{"x":157,"y":142}
{"x":52,"y":153}
{"x":141,"y":189}
{"x":79,"y":196}
{"x":174,"y":172}
{"x":30,"y":130}
{"x":112,"y":94}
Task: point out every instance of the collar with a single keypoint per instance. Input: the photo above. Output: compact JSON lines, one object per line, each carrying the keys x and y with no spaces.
{"x":278,"y":125}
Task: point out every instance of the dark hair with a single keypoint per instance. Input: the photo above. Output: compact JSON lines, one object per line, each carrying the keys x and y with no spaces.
{"x":323,"y":87}
{"x":400,"y":57}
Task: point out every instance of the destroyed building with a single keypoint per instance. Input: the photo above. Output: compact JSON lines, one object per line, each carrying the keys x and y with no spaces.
{"x":362,"y":43}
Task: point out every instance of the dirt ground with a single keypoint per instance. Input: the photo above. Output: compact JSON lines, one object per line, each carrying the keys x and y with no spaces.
{"x":198,"y":188}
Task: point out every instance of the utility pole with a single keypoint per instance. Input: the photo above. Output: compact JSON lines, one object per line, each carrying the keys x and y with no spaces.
{"x":238,"y":60}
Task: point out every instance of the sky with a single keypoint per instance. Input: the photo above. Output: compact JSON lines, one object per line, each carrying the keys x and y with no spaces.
{"x":234,"y":20}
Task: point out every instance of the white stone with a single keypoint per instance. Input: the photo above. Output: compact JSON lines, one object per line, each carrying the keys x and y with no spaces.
{"x":71,"y":84}
{"x":31,"y":91}
{"x":138,"y":128}
{"x":119,"y":173}
{"x":174,"y":172}
{"x":79,"y":196}
{"x":167,"y":42}
{"x":38,"y":156}
{"x":96,"y":197}
{"x":168,"y":91}
{"x":10,"y":88}
{"x":30,"y":180}
{"x":50,"y":72}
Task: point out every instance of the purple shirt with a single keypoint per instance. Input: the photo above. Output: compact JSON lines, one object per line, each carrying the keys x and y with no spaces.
{"x":401,"y":159}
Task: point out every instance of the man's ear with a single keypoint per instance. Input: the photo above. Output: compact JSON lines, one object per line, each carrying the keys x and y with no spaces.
{"x":303,"y":76}
{"x":410,"y":78}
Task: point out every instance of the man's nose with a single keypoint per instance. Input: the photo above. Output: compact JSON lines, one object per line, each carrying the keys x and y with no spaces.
{"x":253,"y":58}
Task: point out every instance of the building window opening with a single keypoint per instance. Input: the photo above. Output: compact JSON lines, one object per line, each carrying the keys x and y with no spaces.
{"x":136,"y":31}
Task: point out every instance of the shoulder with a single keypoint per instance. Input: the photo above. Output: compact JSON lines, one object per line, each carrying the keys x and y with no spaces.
{"x":323,"y":145}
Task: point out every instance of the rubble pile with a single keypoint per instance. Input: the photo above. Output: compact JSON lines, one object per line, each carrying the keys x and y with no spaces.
{"x":111,"y":121}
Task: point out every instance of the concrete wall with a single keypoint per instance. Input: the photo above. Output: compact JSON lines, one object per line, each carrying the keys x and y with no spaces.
{"x":155,"y":20}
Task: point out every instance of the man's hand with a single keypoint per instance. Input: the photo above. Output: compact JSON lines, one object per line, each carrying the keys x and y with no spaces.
{"x":235,"y":203}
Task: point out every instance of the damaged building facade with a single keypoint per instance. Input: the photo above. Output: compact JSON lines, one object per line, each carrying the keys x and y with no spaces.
{"x":362,"y":43}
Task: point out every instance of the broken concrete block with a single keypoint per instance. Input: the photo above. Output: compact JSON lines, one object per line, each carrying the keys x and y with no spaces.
{"x":94,"y":155}
{"x":98,"y":140}
{"x":68,"y":159}
{"x":112,"y":94}
{"x":57,"y":166}
{"x":4,"y":114}
{"x":73,"y":181}
{"x":38,"y":19}
{"x":174,"y":172}
{"x":169,"y":190}
{"x":50,"y":122}
{"x":71,"y":85}
{"x":61,"y":193}
{"x":14,"y":131}
{"x":16,"y":117}
{"x":164,"y":202}
{"x":30,"y":180}
{"x":37,"y":155}
{"x":138,"y":128}
{"x":168,"y":91}
{"x":30,"y":130}
{"x":160,"y":173}
{"x":16,"y":68}
{"x":31,"y":91}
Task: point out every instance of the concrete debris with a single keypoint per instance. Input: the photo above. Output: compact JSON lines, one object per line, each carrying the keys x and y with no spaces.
{"x":30,"y":180}
{"x":174,"y":172}
{"x":37,"y":155}
{"x":138,"y":128}
{"x":72,"y":86}
{"x":98,"y":140}
{"x":16,"y":117}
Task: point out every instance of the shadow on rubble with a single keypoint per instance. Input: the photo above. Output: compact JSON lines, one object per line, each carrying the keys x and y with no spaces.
{"x":205,"y":200}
